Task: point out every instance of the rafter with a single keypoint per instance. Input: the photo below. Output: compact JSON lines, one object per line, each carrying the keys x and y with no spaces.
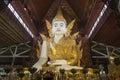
{"x":15,"y":52}
{"x":64,"y":5}
{"x":115,"y":52}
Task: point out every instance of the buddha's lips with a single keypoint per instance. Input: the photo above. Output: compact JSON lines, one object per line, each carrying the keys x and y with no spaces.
{"x":58,"y":30}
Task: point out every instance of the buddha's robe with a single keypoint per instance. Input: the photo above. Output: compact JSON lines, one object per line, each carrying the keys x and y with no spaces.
{"x":65,"y":49}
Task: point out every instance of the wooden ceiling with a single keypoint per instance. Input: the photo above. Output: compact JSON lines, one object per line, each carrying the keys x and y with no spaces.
{"x":109,"y":33}
{"x":34,"y":13}
{"x":11,"y":31}
{"x":85,"y":12}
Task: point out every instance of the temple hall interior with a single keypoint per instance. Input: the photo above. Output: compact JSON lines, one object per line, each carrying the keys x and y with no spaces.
{"x":59,"y":39}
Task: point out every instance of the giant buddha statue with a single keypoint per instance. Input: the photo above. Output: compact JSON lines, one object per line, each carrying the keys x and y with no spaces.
{"x":60,"y":47}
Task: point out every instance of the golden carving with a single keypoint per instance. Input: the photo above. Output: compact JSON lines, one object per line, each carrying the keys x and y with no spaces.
{"x":69,"y":27}
{"x":49,"y":27}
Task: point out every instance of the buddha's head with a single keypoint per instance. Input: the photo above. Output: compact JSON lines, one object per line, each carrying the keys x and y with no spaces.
{"x":59,"y":24}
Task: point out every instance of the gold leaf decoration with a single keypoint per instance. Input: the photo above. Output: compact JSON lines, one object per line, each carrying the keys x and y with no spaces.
{"x":49,"y":27}
{"x":69,"y":27}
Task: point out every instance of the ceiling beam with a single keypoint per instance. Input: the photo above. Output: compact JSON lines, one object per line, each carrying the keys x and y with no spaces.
{"x":95,"y":12}
{"x":101,"y":22}
{"x":24,"y":15}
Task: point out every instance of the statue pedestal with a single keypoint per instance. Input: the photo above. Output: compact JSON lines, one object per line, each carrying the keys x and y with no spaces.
{"x":68,"y":67}
{"x":62,"y":64}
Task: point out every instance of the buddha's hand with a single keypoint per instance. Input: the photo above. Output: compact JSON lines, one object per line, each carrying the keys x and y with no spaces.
{"x":39,"y":63}
{"x":37,"y":66}
{"x":62,"y":61}
{"x":58,"y":62}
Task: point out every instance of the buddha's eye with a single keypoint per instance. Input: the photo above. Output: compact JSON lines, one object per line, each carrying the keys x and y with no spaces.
{"x":61,"y":24}
{"x":55,"y":24}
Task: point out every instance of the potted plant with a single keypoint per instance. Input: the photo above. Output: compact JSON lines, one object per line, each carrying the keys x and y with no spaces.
{"x":84,"y":71}
{"x":8,"y":69}
{"x":32,"y":71}
{"x":19,"y":69}
{"x":73,"y":71}
{"x":48,"y":75}
{"x":21,"y":75}
{"x":62,"y":71}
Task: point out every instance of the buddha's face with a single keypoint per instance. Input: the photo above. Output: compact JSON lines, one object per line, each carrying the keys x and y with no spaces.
{"x":59,"y":27}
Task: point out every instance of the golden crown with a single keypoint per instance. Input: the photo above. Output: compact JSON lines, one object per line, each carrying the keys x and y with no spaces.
{"x":59,"y":17}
